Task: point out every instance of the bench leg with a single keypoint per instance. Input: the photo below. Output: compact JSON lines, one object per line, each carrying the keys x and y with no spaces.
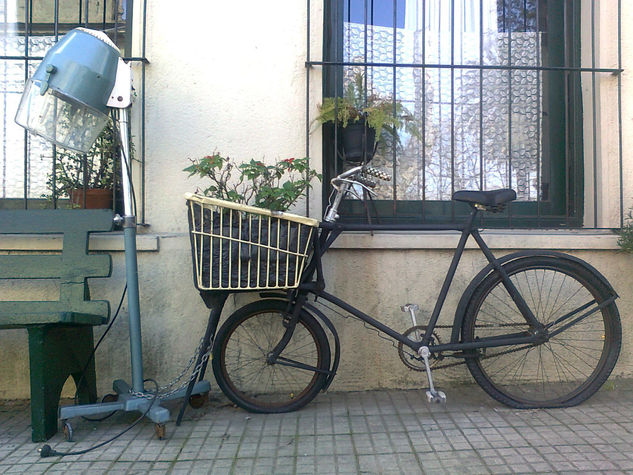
{"x":55,"y":353}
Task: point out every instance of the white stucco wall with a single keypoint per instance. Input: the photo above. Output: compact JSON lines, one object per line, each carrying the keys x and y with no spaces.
{"x":223,"y":77}
{"x":230,"y":76}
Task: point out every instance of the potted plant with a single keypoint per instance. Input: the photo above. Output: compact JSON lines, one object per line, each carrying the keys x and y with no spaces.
{"x":275,"y":187}
{"x":88,"y":179}
{"x":246,"y":249}
{"x":365,"y":120}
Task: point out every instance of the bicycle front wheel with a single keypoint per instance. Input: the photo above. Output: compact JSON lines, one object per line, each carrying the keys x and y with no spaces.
{"x":571,"y":365}
{"x":246,"y":374}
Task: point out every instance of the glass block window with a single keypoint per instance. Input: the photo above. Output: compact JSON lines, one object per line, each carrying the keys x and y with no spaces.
{"x":495,"y":89}
{"x":29,"y":29}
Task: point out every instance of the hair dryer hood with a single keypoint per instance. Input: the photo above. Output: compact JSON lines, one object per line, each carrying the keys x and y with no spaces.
{"x":66,"y":99}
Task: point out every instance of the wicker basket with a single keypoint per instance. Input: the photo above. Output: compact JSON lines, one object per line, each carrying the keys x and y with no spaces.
{"x":238,"y":247}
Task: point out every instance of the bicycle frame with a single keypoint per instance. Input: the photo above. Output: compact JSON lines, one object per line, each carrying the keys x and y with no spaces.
{"x":329,"y":233}
{"x":516,"y":326}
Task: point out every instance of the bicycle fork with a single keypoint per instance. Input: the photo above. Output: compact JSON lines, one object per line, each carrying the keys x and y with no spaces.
{"x":290,"y":322}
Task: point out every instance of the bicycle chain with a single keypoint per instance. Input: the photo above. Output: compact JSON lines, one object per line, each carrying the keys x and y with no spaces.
{"x":441,"y":366}
{"x":481,"y":357}
{"x":166,"y":391}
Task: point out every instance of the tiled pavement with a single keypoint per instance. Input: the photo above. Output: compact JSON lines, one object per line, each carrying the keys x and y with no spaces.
{"x":361,"y":432}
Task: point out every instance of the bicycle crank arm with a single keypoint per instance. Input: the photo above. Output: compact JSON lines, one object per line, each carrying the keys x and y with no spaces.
{"x":432,"y":395}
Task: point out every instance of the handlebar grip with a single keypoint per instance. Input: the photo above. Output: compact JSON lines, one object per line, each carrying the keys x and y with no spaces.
{"x":377,"y":173}
{"x":369,"y":183}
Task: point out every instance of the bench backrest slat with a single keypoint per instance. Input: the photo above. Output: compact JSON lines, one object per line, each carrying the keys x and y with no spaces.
{"x":30,"y":267}
{"x":54,"y":221}
{"x":54,"y":267}
{"x":72,"y":267}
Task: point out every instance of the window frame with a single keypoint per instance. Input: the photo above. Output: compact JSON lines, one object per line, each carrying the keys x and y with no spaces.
{"x":560,"y":206}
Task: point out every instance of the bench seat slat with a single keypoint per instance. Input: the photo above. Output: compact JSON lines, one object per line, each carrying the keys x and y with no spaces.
{"x":99,"y":307}
{"x":70,"y":318}
{"x":23,"y":313}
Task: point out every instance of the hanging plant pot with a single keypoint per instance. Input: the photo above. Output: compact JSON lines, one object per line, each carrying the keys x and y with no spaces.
{"x":357,"y":142}
{"x":96,"y":198}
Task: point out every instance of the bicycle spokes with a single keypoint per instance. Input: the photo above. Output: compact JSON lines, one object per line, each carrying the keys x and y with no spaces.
{"x":577,"y":343}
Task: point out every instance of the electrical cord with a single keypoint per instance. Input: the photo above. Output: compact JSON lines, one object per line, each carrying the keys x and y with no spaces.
{"x":125,"y":162}
{"x":48,"y":451}
{"x":91,"y":358}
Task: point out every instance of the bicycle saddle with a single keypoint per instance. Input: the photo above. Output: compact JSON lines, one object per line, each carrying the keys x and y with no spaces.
{"x":491,"y":198}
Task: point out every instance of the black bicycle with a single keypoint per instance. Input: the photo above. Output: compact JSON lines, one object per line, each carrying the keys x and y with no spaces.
{"x":536,"y":329}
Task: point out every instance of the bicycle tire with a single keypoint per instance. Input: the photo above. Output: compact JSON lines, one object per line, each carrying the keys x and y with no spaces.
{"x":240,"y":361}
{"x":565,"y":370}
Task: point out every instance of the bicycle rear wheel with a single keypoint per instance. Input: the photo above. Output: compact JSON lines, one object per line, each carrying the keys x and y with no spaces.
{"x":570,"y":366}
{"x":242,"y":367}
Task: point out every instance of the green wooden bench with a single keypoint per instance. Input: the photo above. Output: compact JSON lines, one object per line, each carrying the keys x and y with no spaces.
{"x":60,"y":331}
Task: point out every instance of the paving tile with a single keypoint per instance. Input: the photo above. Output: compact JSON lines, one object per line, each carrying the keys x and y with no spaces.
{"x":378,"y":432}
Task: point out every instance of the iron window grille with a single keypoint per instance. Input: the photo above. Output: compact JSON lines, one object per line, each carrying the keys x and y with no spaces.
{"x":508,"y":93}
{"x":29,"y":29}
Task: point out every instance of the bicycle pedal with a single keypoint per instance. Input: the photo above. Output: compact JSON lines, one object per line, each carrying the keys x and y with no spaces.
{"x":437,"y":397}
{"x":407,"y":307}
{"x":411,"y":308}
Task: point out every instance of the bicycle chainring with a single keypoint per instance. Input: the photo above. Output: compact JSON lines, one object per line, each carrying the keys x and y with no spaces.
{"x":409,"y":357}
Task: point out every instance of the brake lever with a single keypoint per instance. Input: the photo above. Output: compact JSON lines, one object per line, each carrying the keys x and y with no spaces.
{"x":362,"y":185}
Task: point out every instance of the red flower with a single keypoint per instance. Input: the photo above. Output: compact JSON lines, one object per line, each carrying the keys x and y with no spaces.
{"x":288,"y":160}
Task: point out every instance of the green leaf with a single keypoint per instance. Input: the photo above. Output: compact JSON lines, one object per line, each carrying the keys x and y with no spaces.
{"x":275,"y":187}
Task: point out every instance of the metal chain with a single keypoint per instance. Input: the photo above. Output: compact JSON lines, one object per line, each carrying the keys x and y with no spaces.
{"x":166,"y":391}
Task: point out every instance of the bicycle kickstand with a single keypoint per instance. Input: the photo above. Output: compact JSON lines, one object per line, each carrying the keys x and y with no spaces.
{"x":432,"y":395}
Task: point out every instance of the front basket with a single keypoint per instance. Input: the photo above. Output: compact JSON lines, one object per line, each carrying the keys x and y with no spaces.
{"x":238,"y":247}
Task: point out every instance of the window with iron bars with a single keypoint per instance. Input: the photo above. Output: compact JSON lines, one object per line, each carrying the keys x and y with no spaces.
{"x":34,"y":173}
{"x":504,"y":94}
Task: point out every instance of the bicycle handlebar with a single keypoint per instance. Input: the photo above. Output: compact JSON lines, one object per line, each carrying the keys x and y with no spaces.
{"x":359,"y":175}
{"x":368,"y":182}
{"x":371,"y":171}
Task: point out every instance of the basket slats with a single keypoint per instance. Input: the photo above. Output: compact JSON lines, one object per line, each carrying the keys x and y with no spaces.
{"x":244,"y":248}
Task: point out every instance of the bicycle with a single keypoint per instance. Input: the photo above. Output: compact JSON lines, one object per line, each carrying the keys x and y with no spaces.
{"x":536,"y":329}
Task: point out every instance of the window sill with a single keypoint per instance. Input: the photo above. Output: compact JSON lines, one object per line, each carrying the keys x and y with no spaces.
{"x":111,"y":242}
{"x":496,"y":239}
